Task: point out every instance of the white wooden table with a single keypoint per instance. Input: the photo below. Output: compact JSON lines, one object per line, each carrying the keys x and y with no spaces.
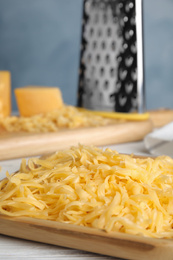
{"x":17,"y":249}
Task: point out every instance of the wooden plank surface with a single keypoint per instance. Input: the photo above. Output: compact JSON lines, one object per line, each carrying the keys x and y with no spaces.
{"x":161,"y":117}
{"x":18,"y":145}
{"x":88,"y":239}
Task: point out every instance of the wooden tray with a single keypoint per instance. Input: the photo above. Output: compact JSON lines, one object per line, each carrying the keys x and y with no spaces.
{"x":88,"y":239}
{"x":18,"y":145}
{"x":114,"y":244}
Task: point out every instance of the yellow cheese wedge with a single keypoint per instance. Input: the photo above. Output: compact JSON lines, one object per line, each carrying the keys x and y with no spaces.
{"x":5,"y":93}
{"x":32,"y":100}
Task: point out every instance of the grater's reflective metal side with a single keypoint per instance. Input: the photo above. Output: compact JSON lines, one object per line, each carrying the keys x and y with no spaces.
{"x":111,"y":61}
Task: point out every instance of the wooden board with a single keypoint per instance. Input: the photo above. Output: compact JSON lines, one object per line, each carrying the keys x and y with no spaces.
{"x":114,"y":244}
{"x":161,"y":117}
{"x":26,"y":144}
{"x":88,"y":239}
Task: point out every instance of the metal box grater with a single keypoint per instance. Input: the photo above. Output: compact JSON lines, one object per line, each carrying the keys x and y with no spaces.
{"x":111,"y":60}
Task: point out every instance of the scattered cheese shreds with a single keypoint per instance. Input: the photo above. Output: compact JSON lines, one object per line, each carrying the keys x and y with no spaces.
{"x":96,"y":188}
{"x":66,"y":117}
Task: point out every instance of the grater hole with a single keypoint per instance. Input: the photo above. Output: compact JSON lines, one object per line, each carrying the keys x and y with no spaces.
{"x":91,"y":32}
{"x":113,"y":45}
{"x":112,"y":98}
{"x":129,"y":5}
{"x":122,"y":100}
{"x":87,"y":82}
{"x":93,"y":4}
{"x":106,"y":84}
{"x":129,"y":61}
{"x":125,"y":19}
{"x":97,"y":3}
{"x":117,"y":86}
{"x":133,"y":48}
{"x":125,"y":46}
{"x":119,"y":33}
{"x":115,"y":19}
{"x":102,"y":5}
{"x":132,"y":21}
{"x":134,"y":100}
{"x":102,"y":71}
{"x":103,"y":45}
{"x":134,"y":75}
{"x":120,"y":6}
{"x":109,"y":32}
{"x":94,"y":45}
{"x":90,"y":94}
{"x":99,"y":32}
{"x":96,"y":83}
{"x":123,"y":74}
{"x":119,"y":58}
{"x":129,"y":34}
{"x":89,"y":58}
{"x":129,"y":87}
{"x":98,"y":58}
{"x":107,"y":59}
{"x":112,"y":72}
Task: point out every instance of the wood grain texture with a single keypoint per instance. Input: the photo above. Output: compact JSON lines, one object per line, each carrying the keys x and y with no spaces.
{"x":88,"y":239}
{"x":18,"y":145}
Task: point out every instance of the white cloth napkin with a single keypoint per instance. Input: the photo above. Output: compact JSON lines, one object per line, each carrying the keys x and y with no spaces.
{"x":160,"y":141}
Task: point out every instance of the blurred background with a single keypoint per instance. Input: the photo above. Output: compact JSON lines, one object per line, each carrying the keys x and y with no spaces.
{"x":40,"y":45}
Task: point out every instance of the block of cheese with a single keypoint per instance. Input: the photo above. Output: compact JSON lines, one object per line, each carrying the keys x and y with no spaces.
{"x":32,"y":100}
{"x":5,"y":93}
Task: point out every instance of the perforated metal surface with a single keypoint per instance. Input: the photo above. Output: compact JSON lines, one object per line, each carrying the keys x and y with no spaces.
{"x":108,"y":77}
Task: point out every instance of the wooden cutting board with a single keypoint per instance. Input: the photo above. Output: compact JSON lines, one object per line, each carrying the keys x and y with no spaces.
{"x":88,"y":239}
{"x":16,"y":145}
{"x":114,"y":244}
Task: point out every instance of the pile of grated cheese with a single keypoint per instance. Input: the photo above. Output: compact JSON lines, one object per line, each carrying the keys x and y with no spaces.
{"x":96,"y":188}
{"x":66,"y":117}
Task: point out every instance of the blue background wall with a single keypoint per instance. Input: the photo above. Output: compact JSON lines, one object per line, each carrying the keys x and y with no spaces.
{"x":40,"y":42}
{"x":158,"y":43}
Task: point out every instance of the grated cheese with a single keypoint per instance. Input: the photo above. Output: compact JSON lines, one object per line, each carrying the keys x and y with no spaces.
{"x":66,"y":117}
{"x":96,"y":188}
